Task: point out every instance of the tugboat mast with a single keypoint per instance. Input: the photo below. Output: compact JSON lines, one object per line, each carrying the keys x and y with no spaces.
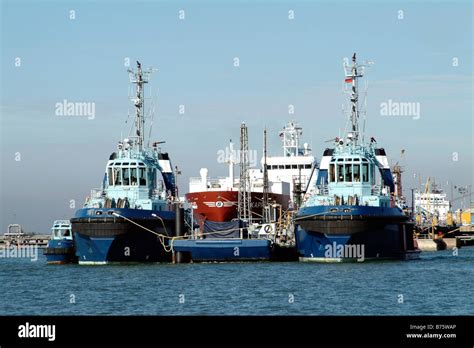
{"x":139,"y":78}
{"x":352,"y":74}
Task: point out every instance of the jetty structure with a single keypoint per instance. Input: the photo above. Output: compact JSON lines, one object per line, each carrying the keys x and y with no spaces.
{"x":16,"y":236}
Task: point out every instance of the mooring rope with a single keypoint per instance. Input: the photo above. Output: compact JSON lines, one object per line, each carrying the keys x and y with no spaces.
{"x":162,"y":237}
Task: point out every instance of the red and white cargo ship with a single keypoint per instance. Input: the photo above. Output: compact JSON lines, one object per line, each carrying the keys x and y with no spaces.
{"x":216,"y":199}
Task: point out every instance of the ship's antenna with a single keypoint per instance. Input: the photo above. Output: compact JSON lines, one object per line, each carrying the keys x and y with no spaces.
{"x":149,"y":133}
{"x":151,"y":113}
{"x":140,"y":78}
{"x":364,"y":112}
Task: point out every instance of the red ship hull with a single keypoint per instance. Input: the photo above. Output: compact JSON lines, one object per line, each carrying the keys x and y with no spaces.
{"x":221,"y":206}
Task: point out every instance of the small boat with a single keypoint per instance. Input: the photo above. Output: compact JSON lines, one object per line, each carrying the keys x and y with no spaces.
{"x":60,"y":248}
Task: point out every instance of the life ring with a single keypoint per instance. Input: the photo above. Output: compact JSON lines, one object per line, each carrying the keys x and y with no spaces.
{"x":267,"y":228}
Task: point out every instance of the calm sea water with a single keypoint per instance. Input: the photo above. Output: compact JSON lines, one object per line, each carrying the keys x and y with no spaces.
{"x":438,"y":284}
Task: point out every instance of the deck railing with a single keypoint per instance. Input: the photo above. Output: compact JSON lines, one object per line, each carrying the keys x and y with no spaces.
{"x":376,"y":190}
{"x":97,"y":193}
{"x":323,"y":189}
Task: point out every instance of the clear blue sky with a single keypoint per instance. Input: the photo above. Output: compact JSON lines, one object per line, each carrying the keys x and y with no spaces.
{"x":282,"y":62}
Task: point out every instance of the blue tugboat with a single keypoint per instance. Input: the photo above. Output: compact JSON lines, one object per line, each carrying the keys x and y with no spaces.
{"x":353,"y":214}
{"x":130,"y":218}
{"x":60,"y":248}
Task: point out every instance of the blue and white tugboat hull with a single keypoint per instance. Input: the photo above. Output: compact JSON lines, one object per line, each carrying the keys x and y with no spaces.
{"x":102,"y":237}
{"x":353,"y":213}
{"x":130,"y":218}
{"x":353,"y":233}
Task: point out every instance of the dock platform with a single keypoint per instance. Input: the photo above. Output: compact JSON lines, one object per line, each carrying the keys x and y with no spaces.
{"x":224,"y":250}
{"x":40,"y":240}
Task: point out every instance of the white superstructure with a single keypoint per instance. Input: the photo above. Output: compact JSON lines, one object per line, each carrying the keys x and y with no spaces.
{"x":432,"y":203}
{"x":293,"y":167}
